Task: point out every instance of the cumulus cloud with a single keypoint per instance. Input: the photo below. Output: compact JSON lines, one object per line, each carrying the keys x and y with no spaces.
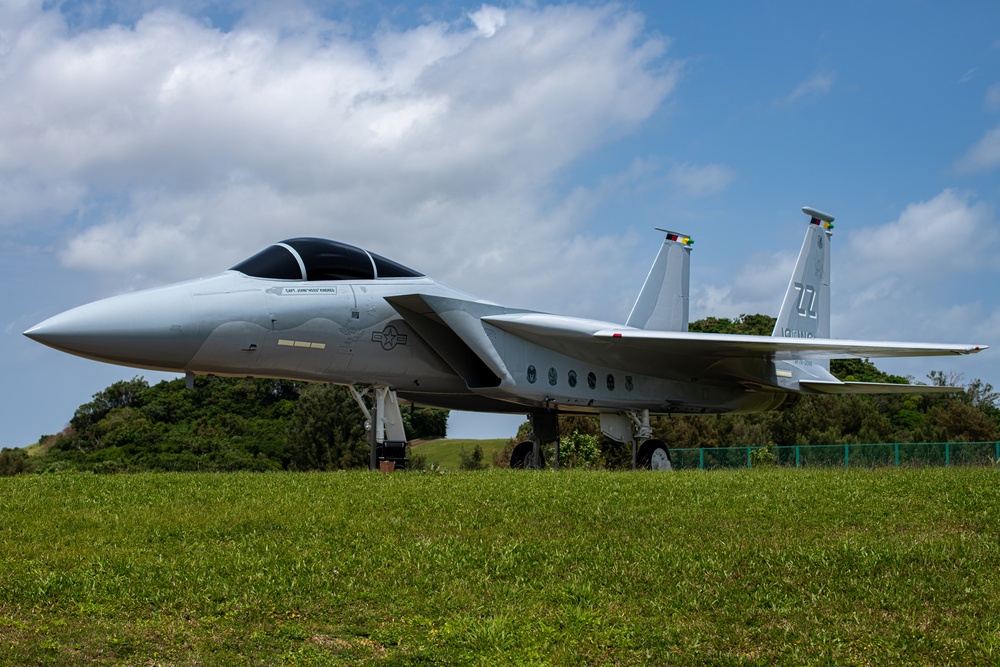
{"x":984,"y":154}
{"x":488,"y":20}
{"x":183,"y":144}
{"x":757,"y":286}
{"x":949,"y":233}
{"x":917,"y":270}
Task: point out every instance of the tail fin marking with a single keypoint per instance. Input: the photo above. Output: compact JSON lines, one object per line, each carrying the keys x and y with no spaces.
{"x":805,"y":311}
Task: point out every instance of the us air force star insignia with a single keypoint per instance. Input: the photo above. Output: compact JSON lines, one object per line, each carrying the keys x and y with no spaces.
{"x":389,"y":337}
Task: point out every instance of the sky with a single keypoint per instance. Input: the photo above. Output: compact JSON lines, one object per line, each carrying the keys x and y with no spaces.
{"x":520,"y":151}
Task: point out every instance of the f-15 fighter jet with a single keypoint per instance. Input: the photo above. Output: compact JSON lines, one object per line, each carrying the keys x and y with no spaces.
{"x":319,"y":310}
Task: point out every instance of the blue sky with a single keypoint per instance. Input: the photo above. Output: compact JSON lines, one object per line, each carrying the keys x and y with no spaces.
{"x":520,"y":151}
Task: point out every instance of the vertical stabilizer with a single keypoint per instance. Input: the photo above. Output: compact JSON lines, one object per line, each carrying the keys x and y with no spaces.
{"x":805,"y":312}
{"x":663,"y":302}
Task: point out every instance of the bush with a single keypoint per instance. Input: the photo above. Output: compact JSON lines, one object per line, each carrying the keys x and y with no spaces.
{"x":764,"y":456}
{"x":471,"y":460}
{"x":501,"y":457}
{"x":13,"y":462}
{"x":416,"y":462}
{"x":578,"y":450}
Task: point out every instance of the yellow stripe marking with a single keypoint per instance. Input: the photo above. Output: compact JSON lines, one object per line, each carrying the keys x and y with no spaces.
{"x":301,"y":343}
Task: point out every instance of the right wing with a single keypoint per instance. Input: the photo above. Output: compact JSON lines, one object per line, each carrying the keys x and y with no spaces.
{"x":685,"y":355}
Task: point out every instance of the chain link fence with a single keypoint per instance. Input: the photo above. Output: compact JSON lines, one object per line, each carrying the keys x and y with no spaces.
{"x":859,"y":456}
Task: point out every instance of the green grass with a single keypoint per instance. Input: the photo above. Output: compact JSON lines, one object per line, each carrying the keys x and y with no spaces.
{"x":446,"y":453}
{"x":751,"y":567}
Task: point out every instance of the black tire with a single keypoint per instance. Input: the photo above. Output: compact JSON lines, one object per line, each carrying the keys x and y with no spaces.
{"x":654,"y":455}
{"x":520,"y":458}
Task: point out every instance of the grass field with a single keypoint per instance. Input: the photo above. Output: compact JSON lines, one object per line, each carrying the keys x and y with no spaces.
{"x":748,"y":567}
{"x":447,"y":453}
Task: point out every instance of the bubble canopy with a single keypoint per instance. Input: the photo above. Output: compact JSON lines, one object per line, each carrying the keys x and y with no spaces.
{"x":321,"y":259}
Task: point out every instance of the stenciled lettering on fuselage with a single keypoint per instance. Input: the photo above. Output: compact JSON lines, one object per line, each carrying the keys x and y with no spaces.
{"x":389,"y":337}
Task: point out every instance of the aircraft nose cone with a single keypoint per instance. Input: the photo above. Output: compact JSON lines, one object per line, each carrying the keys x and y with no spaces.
{"x":152,"y":329}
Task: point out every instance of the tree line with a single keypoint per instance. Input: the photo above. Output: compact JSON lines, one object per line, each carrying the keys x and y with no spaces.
{"x":222,"y":424}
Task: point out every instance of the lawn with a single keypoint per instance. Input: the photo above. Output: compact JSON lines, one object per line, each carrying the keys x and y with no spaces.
{"x":447,"y":453}
{"x":743,"y":567}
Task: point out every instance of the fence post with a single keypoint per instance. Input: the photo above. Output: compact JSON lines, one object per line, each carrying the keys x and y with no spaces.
{"x":748,"y":457}
{"x":701,"y":458}
{"x":997,"y":458}
{"x":797,"y":456}
{"x":947,"y":454}
{"x":847,"y":456}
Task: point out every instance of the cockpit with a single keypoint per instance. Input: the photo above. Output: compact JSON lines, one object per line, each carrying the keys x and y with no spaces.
{"x":321,"y":259}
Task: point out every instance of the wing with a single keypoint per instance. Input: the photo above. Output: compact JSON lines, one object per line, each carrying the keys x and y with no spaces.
{"x":685,"y":355}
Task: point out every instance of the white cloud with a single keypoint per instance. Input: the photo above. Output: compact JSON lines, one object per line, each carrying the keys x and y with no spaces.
{"x":488,"y":20}
{"x":192,"y":147}
{"x":700,"y":180}
{"x":968,"y":76}
{"x":992,"y":99}
{"x":816,"y":86}
{"x":947,"y":233}
{"x":757,"y":286}
{"x":985,"y":154}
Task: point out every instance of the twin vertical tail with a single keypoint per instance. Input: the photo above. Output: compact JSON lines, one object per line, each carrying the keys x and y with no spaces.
{"x":664,"y":300}
{"x":805,"y":312}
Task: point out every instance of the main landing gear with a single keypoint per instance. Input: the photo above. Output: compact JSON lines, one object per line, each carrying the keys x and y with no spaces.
{"x":529,"y":454}
{"x":524,"y":457}
{"x":653,"y":455}
{"x":631,"y":426}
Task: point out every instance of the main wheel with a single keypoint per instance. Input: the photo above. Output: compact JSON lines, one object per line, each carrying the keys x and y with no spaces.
{"x":521,"y":458}
{"x":654,"y":455}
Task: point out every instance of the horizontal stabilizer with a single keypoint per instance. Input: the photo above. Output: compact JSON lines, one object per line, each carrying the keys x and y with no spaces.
{"x":826,"y":387}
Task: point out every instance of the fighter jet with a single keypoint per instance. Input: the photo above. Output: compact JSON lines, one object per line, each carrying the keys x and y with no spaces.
{"x":319,"y":310}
